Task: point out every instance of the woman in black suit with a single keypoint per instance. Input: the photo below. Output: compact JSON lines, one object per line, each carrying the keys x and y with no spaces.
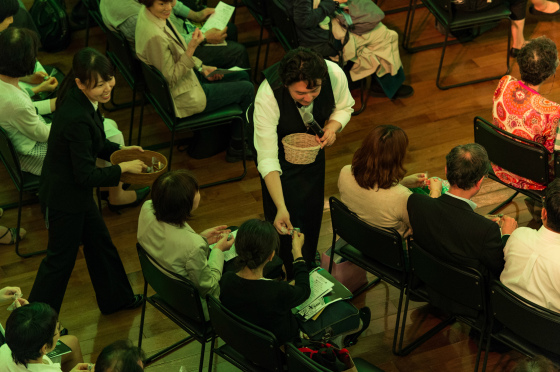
{"x":69,"y":175}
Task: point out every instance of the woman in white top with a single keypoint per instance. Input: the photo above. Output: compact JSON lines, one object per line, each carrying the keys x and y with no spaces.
{"x":374,"y":186}
{"x":32,"y":331}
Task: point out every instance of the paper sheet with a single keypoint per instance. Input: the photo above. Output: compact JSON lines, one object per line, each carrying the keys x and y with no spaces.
{"x":226,"y":71}
{"x":220,"y":18}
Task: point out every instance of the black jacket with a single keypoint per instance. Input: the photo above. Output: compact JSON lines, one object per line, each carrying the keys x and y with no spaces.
{"x":76,"y":140}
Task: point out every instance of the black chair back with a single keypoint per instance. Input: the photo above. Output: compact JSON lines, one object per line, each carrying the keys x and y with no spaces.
{"x":283,"y":25}
{"x":526,"y":319}
{"x":299,"y":362}
{"x":518,"y":155}
{"x":257,"y":345}
{"x":176,"y":292}
{"x":158,"y":93}
{"x":465,"y":286}
{"x":124,"y":58}
{"x":9,"y":158}
{"x":383,"y":246}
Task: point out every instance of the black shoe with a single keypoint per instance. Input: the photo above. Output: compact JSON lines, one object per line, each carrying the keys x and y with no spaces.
{"x":137,"y":302}
{"x":513,"y":52}
{"x":365,"y":317}
{"x":536,"y":12}
{"x":141,"y":194}
{"x":404,"y":91}
{"x":234,"y":155}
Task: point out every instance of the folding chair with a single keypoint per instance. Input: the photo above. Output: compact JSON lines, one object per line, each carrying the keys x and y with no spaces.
{"x":518,"y":155}
{"x":159,"y":95}
{"x":378,"y":251}
{"x":178,"y":299}
{"x":248,"y":347}
{"x":454,"y":21}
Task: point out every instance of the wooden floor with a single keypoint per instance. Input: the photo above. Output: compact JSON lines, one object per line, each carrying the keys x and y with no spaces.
{"x":435,"y":121}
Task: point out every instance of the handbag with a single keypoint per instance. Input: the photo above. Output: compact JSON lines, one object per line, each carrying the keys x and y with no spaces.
{"x":365,"y":15}
{"x":337,"y":318}
{"x":349,"y":274}
{"x":330,"y":357}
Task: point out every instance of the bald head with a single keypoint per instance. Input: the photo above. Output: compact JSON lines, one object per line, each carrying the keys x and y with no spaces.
{"x":466,"y":165}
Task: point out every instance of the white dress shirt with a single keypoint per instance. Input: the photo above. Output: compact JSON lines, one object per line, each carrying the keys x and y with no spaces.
{"x":267,"y":115}
{"x":7,"y":364}
{"x":532,"y":268}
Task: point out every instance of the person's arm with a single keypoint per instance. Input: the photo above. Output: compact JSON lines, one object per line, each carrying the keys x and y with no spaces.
{"x":282,"y":221}
{"x":307,"y":17}
{"x":342,"y":97}
{"x":26,"y":120}
{"x":206,"y":272}
{"x":492,"y":256}
{"x":265,"y":117}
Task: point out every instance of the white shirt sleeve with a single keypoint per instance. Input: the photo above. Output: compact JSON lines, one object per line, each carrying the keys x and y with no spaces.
{"x":265,"y":118}
{"x":43,"y":107}
{"x":342,"y":97}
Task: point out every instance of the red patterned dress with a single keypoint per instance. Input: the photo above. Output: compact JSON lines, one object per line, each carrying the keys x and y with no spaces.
{"x":522,"y":111}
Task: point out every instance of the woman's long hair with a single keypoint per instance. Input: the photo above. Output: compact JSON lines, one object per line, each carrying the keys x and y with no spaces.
{"x":88,"y":65}
{"x":379,"y":161}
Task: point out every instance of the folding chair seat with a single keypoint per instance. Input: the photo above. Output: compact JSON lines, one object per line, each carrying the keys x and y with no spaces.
{"x":518,"y":155}
{"x":159,"y":95}
{"x":454,"y":21}
{"x":459,"y":291}
{"x":378,"y":251}
{"x":247,"y":347}
{"x":178,"y":299}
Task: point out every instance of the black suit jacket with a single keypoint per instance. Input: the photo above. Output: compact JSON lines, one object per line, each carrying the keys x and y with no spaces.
{"x":448,"y":228}
{"x":76,"y":140}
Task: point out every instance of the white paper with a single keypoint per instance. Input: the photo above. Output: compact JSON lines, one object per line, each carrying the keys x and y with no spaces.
{"x":224,"y":71}
{"x":231,"y":253}
{"x":220,"y":18}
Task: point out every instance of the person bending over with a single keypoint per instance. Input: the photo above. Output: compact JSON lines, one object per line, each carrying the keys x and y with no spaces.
{"x":374,"y":186}
{"x":32,"y":332}
{"x":158,"y":43}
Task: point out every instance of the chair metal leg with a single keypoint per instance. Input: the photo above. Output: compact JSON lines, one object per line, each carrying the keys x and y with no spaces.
{"x":171,"y":148}
{"x":23,"y":255}
{"x":169,"y":349}
{"x":143,"y":314}
{"x":201,"y":363}
{"x":212,"y":345}
{"x":503,"y":204}
{"x":132,"y":115}
{"x":142,"y":103}
{"x":364,"y":88}
{"x":397,"y":324}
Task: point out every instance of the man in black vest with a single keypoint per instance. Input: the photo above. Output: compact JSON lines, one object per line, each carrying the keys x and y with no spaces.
{"x":293,"y":194}
{"x":449,"y":228}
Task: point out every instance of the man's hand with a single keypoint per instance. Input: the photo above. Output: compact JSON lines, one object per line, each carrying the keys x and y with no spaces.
{"x":329,"y":136}
{"x":508,"y":225}
{"x":137,"y":148}
{"x":282,"y":221}
{"x":435,"y":185}
{"x":202,"y":15}
{"x":9,"y":293}
{"x":81,"y":367}
{"x":215,"y":36}
{"x":207,"y":70}
{"x":133,"y":166}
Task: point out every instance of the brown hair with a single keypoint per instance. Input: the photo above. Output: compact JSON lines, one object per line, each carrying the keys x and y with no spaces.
{"x":379,"y":161}
{"x":149,"y":3}
{"x":173,"y":196}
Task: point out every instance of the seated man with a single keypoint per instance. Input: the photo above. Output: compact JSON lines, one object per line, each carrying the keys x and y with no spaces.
{"x":32,"y":332}
{"x":376,"y":51}
{"x":532,"y":268}
{"x":122,"y":15}
{"x":448,"y":227}
{"x":120,"y":356}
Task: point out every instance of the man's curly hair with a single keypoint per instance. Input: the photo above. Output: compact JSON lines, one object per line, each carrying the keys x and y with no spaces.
{"x":537,"y":60}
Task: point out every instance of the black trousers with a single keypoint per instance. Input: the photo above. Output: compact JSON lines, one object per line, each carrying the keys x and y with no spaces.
{"x":66,"y":231}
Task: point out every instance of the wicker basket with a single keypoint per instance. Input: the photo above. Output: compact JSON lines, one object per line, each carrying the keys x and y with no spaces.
{"x":300,"y":148}
{"x":142,"y":178}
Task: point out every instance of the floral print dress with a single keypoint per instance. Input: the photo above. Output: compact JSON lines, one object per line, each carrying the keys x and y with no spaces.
{"x":523,"y":112}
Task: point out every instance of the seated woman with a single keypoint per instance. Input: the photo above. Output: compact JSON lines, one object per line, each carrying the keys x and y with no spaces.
{"x":120,"y":356}
{"x":520,"y":109}
{"x":28,"y":130}
{"x":374,"y":186}
{"x":32,"y":332}
{"x":164,"y":232}
{"x":373,"y":52}
{"x":268,"y":303}
{"x":158,"y":43}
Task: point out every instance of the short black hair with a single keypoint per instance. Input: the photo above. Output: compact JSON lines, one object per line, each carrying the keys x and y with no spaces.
{"x":466,"y":165}
{"x":8,"y":8}
{"x":18,"y":52}
{"x":28,"y":328}
{"x":302,"y":64}
{"x":552,"y":205}
{"x":149,"y":3}
{"x":255,"y":242}
{"x":120,"y":356}
{"x":173,"y":195}
{"x":537,"y":60}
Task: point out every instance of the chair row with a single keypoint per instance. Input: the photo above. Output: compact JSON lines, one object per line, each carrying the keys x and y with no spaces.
{"x":462,"y":292}
{"x":247,"y":346}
